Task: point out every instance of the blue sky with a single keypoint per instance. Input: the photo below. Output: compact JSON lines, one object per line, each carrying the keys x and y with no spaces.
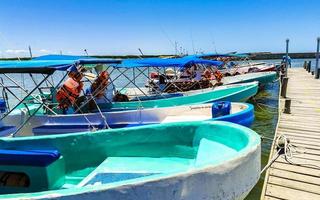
{"x":121,"y":27}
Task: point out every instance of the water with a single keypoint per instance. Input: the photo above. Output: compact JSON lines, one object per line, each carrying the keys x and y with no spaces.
{"x":266,"y":116}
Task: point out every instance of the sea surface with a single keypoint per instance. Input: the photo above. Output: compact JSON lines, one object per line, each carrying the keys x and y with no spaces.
{"x":266,"y":117}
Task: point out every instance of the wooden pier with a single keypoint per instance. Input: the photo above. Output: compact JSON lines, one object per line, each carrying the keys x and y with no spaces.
{"x":302,"y":127}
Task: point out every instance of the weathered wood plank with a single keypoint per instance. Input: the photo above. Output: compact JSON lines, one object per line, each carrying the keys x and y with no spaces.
{"x":289,"y":193}
{"x":305,"y":166}
{"x":282,"y":173}
{"x":293,"y":184}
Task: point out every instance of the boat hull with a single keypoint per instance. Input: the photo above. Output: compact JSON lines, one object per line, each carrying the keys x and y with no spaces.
{"x":230,"y":178}
{"x":262,"y":77}
{"x":241,"y":113}
{"x":233,"y":93}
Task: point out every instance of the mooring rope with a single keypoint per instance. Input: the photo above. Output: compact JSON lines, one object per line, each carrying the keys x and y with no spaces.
{"x":288,"y":150}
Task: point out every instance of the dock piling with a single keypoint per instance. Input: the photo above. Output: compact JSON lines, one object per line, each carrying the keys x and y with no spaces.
{"x":284,"y":86}
{"x":305,"y":65}
{"x":309,"y":66}
{"x":287,"y":105}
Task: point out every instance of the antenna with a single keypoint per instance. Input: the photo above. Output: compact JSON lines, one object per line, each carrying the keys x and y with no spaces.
{"x":192,"y":42}
{"x":86,"y":52}
{"x":167,"y":36}
{"x":30,"y":52}
{"x":140,"y":51}
{"x":176,"y":47}
{"x":213,"y":43}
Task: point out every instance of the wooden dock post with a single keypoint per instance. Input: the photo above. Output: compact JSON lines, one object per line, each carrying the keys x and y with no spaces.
{"x":305,"y":65}
{"x":287,"y":105}
{"x":309,"y":66}
{"x":317,"y":60}
{"x":284,"y":86}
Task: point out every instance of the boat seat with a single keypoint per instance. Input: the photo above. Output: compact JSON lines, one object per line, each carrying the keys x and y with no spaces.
{"x":115,"y":169}
{"x":7,"y":130}
{"x":28,"y":157}
{"x":28,"y":166}
{"x":213,"y":152}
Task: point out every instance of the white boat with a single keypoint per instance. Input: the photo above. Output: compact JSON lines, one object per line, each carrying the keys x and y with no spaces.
{"x":240,"y":113}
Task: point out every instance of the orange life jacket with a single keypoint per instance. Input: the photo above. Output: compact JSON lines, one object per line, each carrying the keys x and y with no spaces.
{"x":99,"y":85}
{"x":218,"y":75}
{"x":68,"y":93}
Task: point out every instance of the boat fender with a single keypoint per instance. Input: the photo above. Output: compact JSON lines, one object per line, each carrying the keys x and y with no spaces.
{"x":3,"y":106}
{"x":220,"y":108}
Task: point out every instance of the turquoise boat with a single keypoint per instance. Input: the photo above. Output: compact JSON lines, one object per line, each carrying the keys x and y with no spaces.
{"x":194,"y":160}
{"x":233,"y":93}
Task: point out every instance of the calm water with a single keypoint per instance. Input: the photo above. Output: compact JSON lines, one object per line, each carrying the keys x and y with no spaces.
{"x":266,"y":114}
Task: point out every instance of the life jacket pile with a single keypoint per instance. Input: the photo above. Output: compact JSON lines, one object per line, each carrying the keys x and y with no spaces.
{"x":68,"y":93}
{"x":207,"y":74}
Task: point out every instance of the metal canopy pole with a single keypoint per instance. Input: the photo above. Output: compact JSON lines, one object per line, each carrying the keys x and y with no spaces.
{"x":317,"y":60}
{"x":23,"y":89}
{"x":34,"y":89}
{"x":287,"y":55}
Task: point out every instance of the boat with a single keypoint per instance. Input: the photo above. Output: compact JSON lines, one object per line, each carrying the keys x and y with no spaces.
{"x":40,"y":124}
{"x":45,"y":104}
{"x":262,"y":77}
{"x":233,"y":93}
{"x":194,"y":160}
{"x":236,"y":64}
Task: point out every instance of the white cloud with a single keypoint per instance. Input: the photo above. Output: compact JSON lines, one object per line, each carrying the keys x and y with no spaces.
{"x":16,"y":51}
{"x":44,"y":51}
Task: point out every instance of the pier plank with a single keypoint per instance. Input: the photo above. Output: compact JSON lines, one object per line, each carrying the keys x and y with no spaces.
{"x":289,"y":193}
{"x":302,"y":126}
{"x":281,"y":173}
{"x":294,"y":184}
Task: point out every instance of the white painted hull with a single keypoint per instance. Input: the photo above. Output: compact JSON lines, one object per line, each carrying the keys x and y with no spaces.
{"x":144,"y":116}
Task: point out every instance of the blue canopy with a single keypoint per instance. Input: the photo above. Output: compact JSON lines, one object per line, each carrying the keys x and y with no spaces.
{"x":47,"y":66}
{"x":172,"y":62}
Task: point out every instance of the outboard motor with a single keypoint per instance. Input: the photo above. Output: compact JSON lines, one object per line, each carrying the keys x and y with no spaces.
{"x":220,"y":108}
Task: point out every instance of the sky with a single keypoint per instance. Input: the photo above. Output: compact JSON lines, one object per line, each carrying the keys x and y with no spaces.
{"x":121,"y":27}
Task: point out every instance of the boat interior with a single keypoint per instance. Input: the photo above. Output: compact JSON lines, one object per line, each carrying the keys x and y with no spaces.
{"x":115,"y":157}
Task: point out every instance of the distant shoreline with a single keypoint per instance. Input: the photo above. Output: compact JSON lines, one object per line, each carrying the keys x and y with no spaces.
{"x":252,"y":56}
